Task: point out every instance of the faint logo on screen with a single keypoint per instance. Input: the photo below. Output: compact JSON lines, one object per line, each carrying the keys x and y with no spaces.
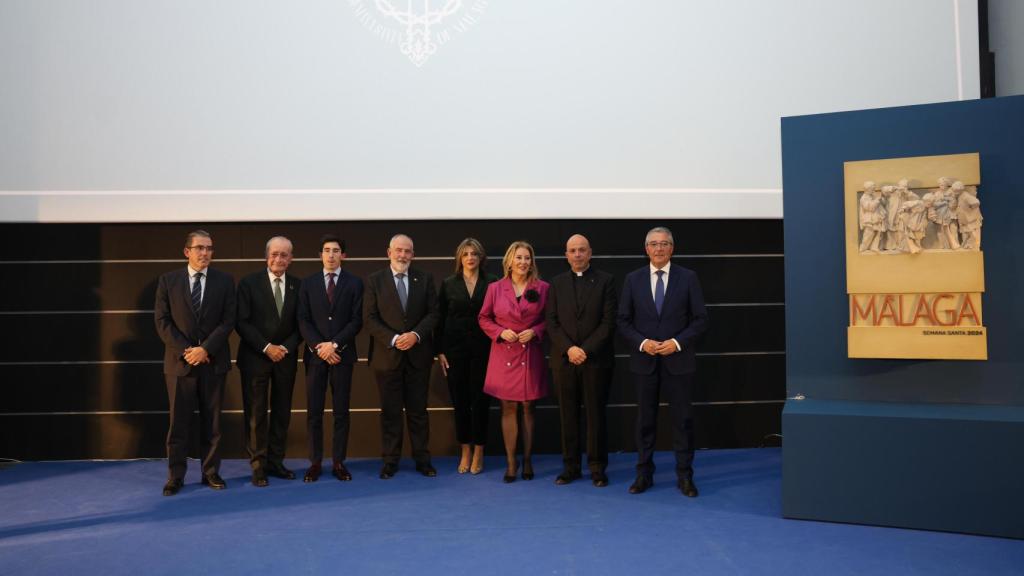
{"x":418,"y":27}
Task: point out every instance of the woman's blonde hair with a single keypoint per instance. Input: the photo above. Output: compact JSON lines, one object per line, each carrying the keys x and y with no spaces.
{"x":506,"y":262}
{"x":464,"y":246}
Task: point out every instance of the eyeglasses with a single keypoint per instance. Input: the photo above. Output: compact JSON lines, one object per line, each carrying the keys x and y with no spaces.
{"x":201,"y":248}
{"x":661,"y":244}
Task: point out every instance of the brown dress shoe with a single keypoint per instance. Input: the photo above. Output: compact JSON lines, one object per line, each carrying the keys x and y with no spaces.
{"x":340,"y":472}
{"x":641,"y":484}
{"x":312,"y":473}
{"x":687,"y":487}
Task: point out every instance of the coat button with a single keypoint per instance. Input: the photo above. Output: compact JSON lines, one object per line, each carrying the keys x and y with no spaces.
{"x":522,"y":363}
{"x":508,"y":363}
{"x":524,"y":345}
{"x":330,"y":318}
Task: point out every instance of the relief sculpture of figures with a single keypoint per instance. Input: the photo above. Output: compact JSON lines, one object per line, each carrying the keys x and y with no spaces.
{"x":894,"y":219}
{"x":872,"y":218}
{"x":894,"y":241}
{"x":941,"y":204}
{"x":968,"y":213}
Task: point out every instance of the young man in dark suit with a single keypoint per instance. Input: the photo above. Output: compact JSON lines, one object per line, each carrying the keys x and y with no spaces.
{"x":194,"y":314}
{"x":580,"y":325}
{"x":330,"y":316}
{"x":400,"y":311}
{"x":661,"y":315}
{"x":267,"y":358}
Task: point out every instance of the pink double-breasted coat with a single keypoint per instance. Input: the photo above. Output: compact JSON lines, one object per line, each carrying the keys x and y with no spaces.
{"x":515,"y":371}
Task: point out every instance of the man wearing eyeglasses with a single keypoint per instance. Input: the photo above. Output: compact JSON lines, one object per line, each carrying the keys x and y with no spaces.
{"x":194,"y":314}
{"x":661,"y":315}
{"x":267,"y":359}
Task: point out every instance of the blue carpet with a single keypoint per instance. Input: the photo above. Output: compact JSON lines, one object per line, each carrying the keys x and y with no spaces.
{"x":110,"y":518}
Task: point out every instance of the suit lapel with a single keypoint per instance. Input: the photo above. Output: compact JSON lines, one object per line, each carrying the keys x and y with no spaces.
{"x":291,"y":293}
{"x":339,"y":283}
{"x":417,"y":293}
{"x":673,"y":291}
{"x":510,"y":296}
{"x":648,"y":296}
{"x":268,"y":293}
{"x":391,"y":289}
{"x":185,"y":293}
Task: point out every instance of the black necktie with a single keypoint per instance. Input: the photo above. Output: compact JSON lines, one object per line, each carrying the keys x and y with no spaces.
{"x":197,"y":292}
{"x":330,"y":288}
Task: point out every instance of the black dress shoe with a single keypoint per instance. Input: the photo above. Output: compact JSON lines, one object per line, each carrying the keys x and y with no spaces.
{"x":259,"y":479}
{"x":214,"y":481}
{"x":687,"y":487}
{"x":279,"y":471}
{"x":600,"y":479}
{"x":567,"y":476}
{"x":509,"y":478}
{"x":641,"y":484}
{"x":388,"y":471}
{"x":340,"y":472}
{"x":426,"y":469}
{"x":312,"y":473}
{"x":172,"y":487}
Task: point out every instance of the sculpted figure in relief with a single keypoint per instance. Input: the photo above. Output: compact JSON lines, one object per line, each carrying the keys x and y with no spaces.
{"x":968,"y":213}
{"x":894,"y":195}
{"x":913,"y":214}
{"x":872,"y":218}
{"x":941,"y":204}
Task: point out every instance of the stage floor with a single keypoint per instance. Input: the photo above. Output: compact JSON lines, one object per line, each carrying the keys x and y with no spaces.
{"x":110,"y":518}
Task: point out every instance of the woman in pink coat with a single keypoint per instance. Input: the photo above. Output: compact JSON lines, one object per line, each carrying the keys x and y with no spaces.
{"x":513,"y":317}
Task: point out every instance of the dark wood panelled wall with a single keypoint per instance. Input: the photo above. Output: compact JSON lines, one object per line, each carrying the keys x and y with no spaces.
{"x":81,"y":360}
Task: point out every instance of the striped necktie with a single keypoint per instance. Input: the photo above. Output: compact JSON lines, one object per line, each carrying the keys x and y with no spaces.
{"x":197,"y":293}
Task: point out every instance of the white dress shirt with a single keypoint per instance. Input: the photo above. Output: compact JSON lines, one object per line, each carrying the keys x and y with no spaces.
{"x":654,"y":285}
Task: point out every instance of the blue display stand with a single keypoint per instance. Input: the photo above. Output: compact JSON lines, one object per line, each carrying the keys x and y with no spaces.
{"x":926,"y":444}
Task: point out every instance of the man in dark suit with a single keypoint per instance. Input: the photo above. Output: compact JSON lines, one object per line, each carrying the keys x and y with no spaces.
{"x":267,"y":358}
{"x":581,"y":321}
{"x":661,"y":315}
{"x":330,"y":316}
{"x":400,"y":311}
{"x":194,"y":314}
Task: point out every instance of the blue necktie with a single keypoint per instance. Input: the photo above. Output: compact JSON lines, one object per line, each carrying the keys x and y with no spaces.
{"x":659,"y":291}
{"x":403,"y":295}
{"x":197,"y":293}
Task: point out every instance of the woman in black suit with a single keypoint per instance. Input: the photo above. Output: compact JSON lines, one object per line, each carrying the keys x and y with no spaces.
{"x":463,"y":350}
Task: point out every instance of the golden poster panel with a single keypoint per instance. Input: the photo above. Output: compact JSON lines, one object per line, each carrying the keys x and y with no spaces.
{"x":915,"y":271}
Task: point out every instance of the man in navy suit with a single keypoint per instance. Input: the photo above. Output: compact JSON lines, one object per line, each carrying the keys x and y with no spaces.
{"x":267,"y":358}
{"x":194,"y":313}
{"x":330,"y":316}
{"x":400,"y":310}
{"x":661,"y":315}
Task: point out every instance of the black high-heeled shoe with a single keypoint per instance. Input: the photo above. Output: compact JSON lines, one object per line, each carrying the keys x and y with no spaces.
{"x":510,"y":478}
{"x":527,"y":470}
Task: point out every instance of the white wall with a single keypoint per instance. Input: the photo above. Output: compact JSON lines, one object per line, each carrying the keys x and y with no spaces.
{"x":267,"y":110}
